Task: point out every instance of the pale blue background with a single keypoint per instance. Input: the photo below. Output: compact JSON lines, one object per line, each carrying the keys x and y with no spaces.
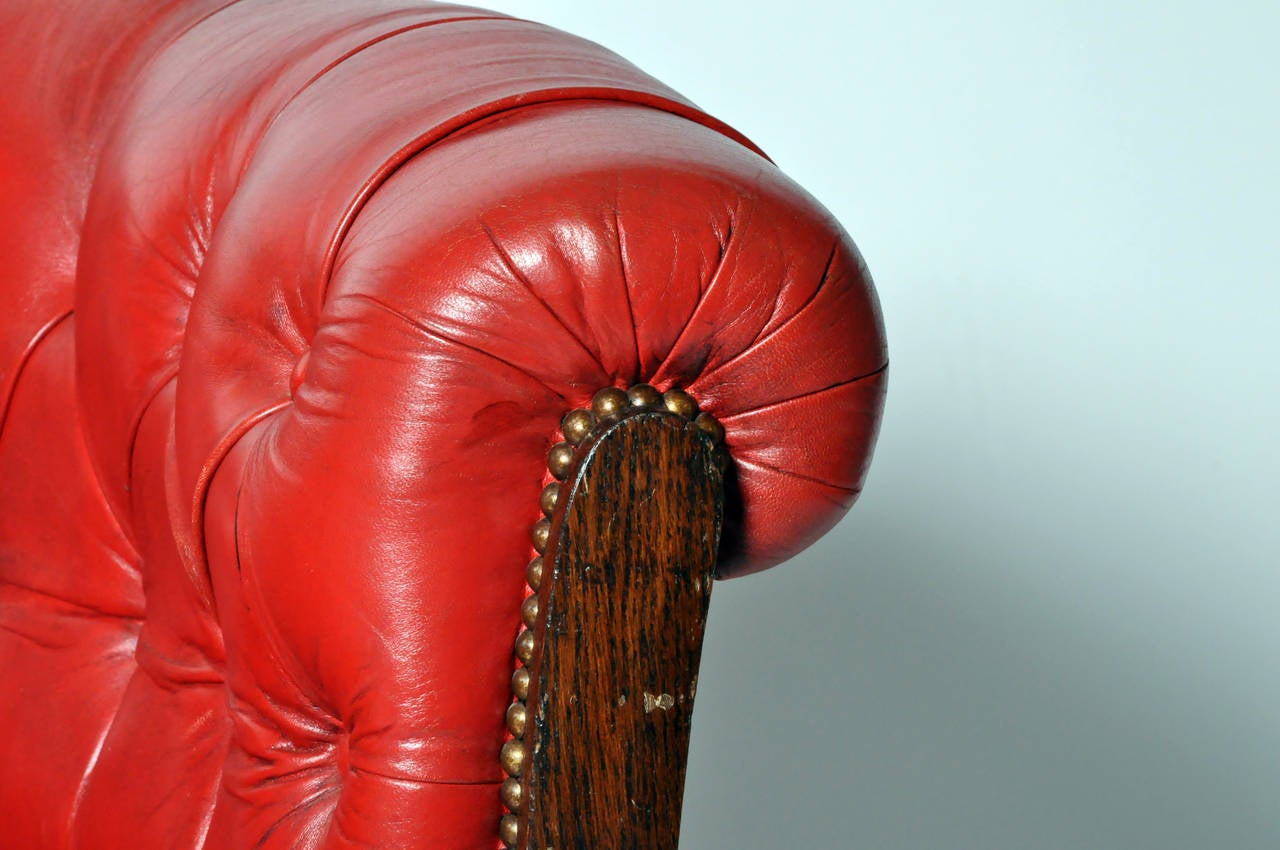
{"x":1053,"y":621}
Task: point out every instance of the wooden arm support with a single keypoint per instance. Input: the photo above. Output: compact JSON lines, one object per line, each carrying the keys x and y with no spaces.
{"x":611,"y":658}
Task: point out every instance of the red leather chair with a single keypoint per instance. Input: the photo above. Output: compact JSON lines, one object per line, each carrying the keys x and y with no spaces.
{"x":295,"y":298}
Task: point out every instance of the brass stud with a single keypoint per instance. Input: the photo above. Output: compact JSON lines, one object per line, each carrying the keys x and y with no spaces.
{"x":541,"y":534}
{"x":512,"y":757}
{"x":529,"y":611}
{"x":609,"y":401}
{"x":560,"y":459}
{"x":511,"y":793}
{"x":643,"y":395}
{"x":520,"y":683}
{"x":708,"y":424}
{"x":550,"y":495}
{"x":524,"y":646}
{"x":680,"y":403}
{"x":509,"y":830}
{"x":533,"y":574}
{"x":516,"y":717}
{"x":577,"y":425}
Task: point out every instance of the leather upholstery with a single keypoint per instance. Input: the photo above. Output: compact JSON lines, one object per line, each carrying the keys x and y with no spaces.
{"x":293,"y":296}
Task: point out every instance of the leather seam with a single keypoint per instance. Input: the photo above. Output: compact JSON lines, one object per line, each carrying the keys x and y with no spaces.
{"x":208,"y":469}
{"x":45,"y":331}
{"x":284,"y":659}
{"x":345,"y":57}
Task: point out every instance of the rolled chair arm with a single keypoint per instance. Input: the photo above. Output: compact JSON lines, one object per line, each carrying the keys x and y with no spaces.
{"x":340,"y":272}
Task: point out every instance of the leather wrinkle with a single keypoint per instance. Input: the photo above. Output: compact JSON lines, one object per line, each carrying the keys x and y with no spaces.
{"x":422,"y":328}
{"x":726,"y":242}
{"x":759,"y":464}
{"x":315,"y":754}
{"x":318,"y":770}
{"x":764,"y":335}
{"x":626,"y":289}
{"x":190,"y":273}
{"x":416,"y":781}
{"x":298,"y":807}
{"x":170,"y":684}
{"x":43,"y":644}
{"x":77,"y":610}
{"x":794,"y":398}
{"x":83,"y":610}
{"x":320,"y":763}
{"x":523,"y":280}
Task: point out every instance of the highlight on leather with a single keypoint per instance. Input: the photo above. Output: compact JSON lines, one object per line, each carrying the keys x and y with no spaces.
{"x":296,"y":294}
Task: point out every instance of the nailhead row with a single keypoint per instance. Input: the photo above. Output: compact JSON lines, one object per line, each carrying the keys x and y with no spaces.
{"x":607,"y":406}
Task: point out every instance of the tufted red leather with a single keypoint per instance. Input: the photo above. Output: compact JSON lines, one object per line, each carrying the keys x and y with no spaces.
{"x":293,"y":296}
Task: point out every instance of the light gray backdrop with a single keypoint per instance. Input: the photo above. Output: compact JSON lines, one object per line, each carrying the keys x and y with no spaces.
{"x":1053,"y":620}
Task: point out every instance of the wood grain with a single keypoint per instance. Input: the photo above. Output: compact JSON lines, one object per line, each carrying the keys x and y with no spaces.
{"x":619,"y":636}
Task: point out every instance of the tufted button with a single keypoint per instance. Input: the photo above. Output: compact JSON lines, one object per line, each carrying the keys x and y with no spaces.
{"x":299,"y":372}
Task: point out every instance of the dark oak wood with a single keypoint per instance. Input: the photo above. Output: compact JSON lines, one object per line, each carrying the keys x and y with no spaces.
{"x":618,"y":638}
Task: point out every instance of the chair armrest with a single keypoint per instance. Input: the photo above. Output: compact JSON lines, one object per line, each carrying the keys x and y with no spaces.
{"x":341,"y":270}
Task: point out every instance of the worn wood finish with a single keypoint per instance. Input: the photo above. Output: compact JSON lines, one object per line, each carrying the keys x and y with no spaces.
{"x":618,"y":638}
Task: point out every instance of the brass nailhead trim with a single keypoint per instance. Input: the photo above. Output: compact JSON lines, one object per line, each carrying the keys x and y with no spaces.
{"x":511,"y":793}
{"x":509,"y":830}
{"x":607,"y":406}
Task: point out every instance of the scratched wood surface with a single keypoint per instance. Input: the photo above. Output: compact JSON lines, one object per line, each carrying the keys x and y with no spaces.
{"x":619,"y":639}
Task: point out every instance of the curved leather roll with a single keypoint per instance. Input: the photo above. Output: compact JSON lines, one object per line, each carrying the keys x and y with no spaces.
{"x":296,"y":313}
